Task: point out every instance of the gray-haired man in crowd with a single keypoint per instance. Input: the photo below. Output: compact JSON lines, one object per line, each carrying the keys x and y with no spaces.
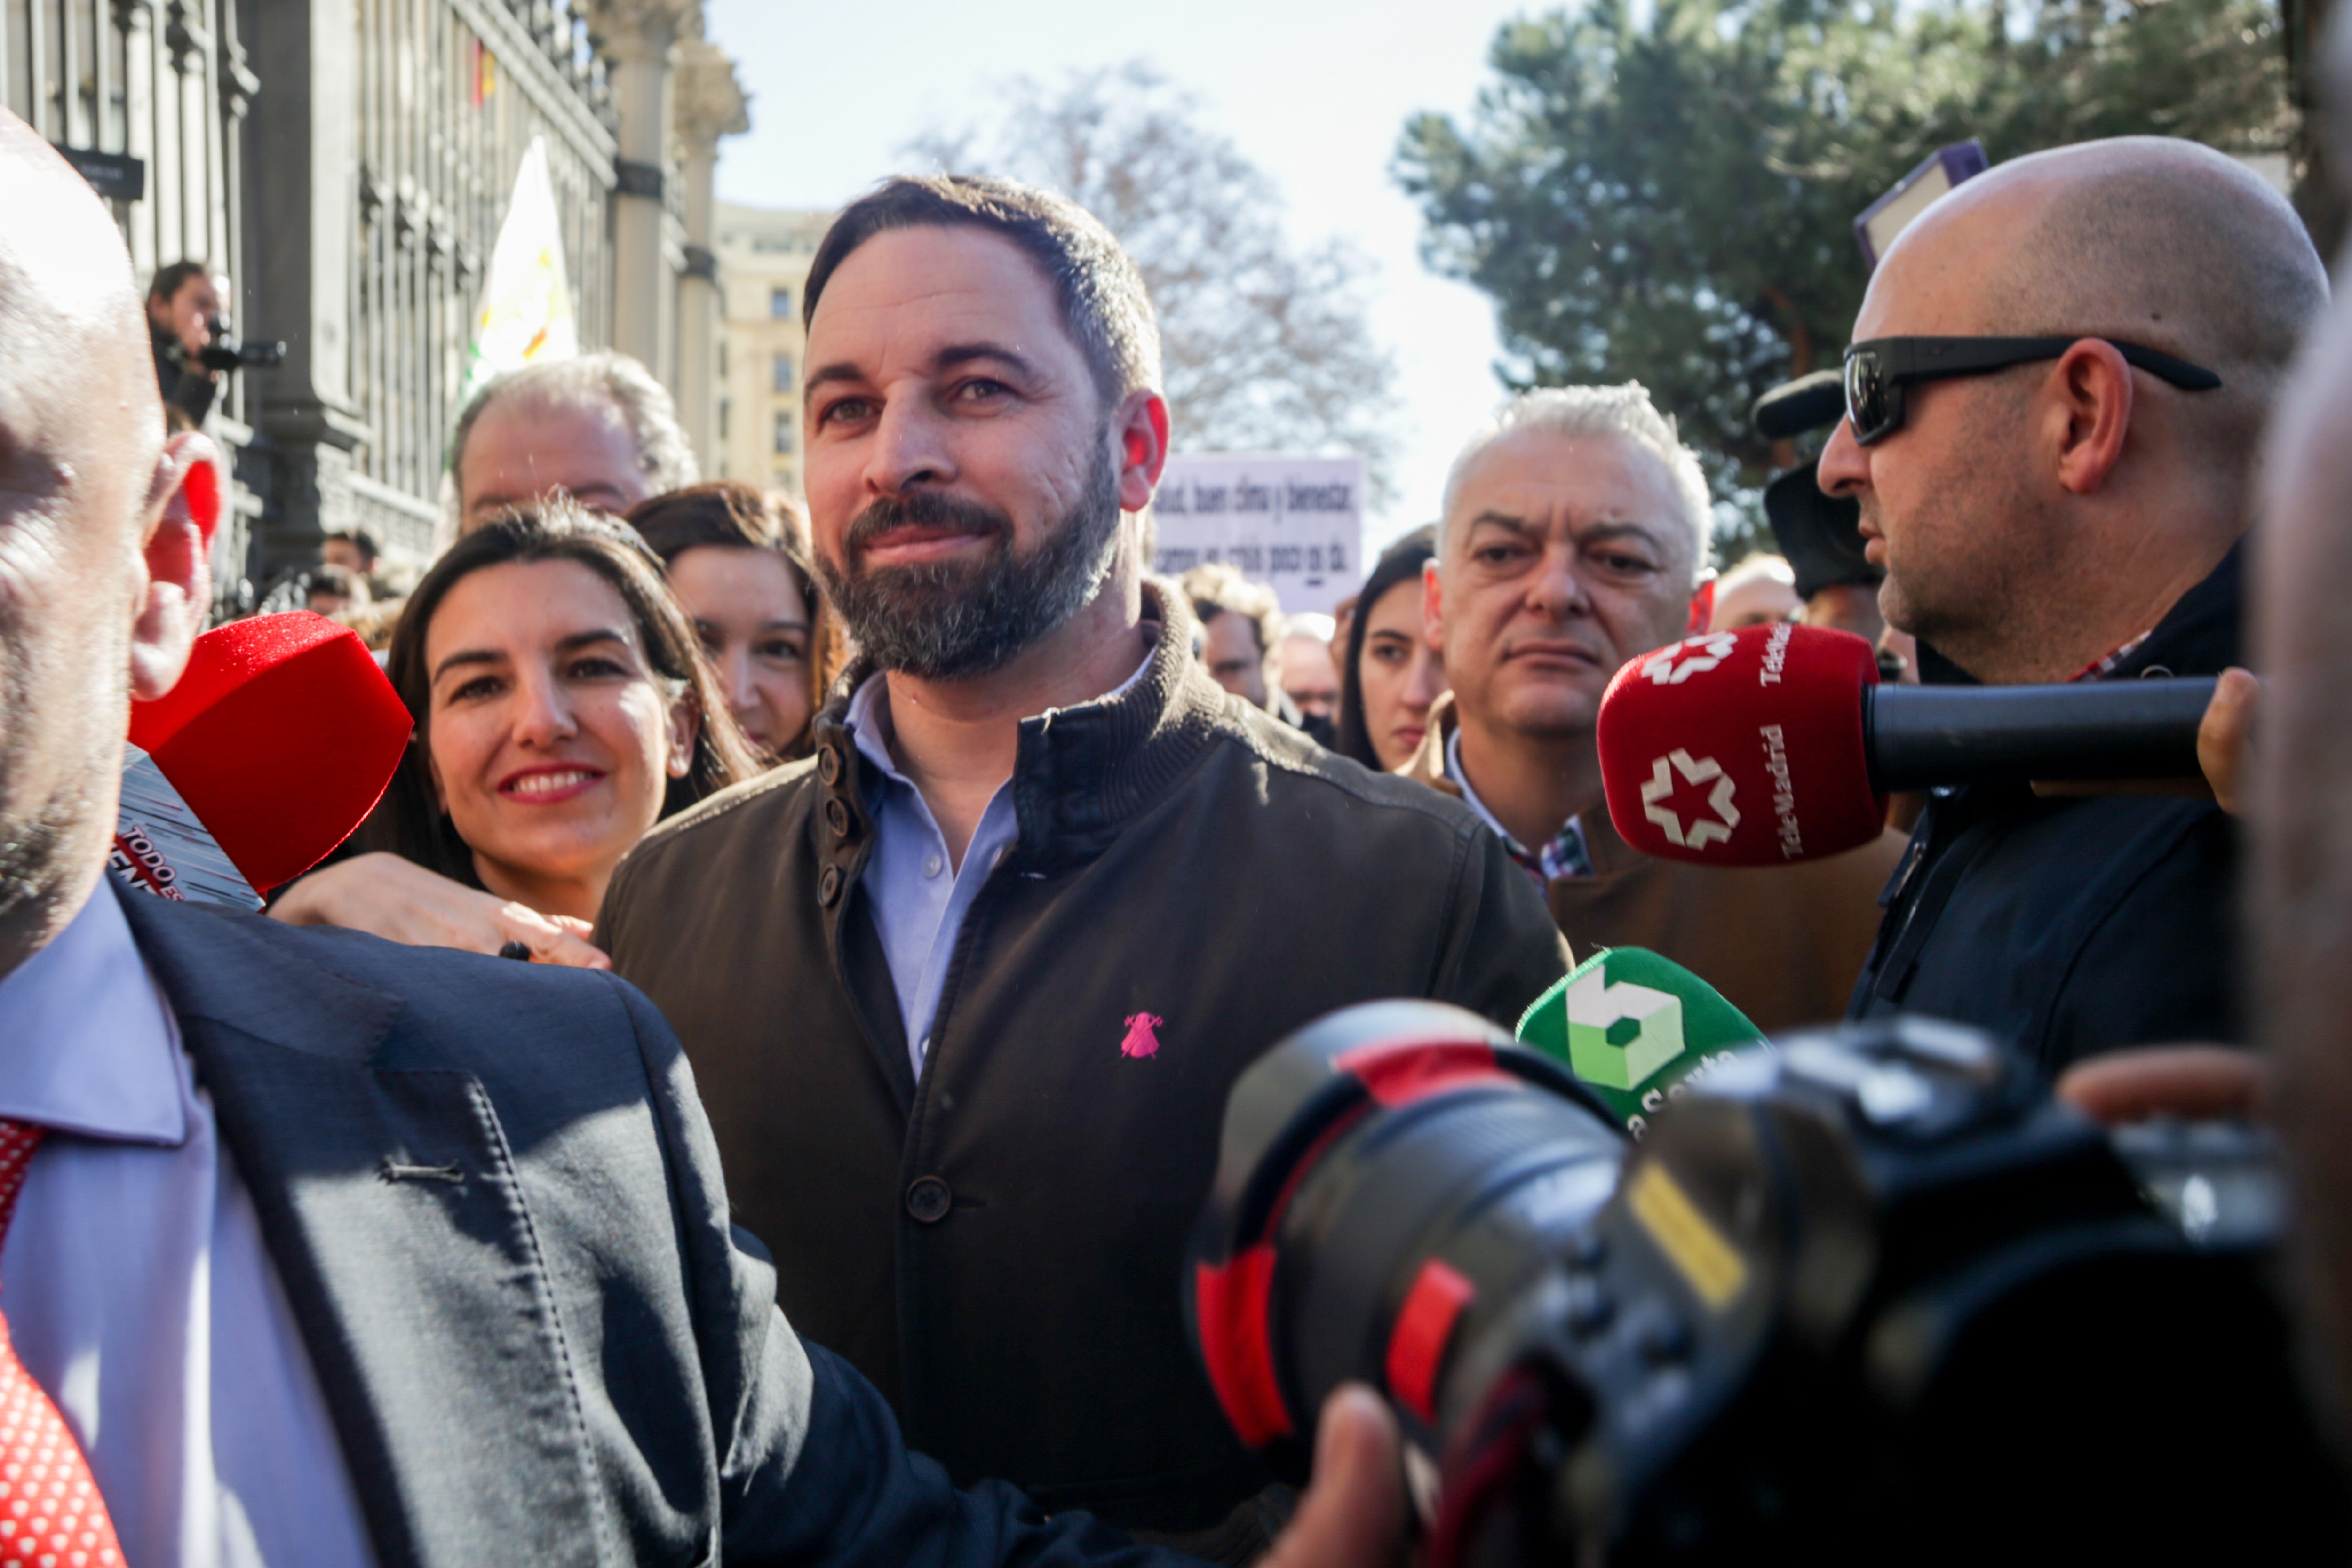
{"x":1575,"y":537}
{"x":598,"y":427}
{"x":966,"y":991}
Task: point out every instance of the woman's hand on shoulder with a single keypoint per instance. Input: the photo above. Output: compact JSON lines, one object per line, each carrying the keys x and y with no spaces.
{"x":400,"y":900}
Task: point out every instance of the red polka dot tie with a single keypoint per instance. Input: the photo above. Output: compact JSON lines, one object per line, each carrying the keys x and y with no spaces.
{"x":51,"y":1514}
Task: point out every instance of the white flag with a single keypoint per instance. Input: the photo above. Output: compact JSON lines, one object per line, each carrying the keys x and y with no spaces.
{"x":526,"y":314}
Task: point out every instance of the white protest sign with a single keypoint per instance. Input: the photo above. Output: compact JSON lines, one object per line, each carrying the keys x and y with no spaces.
{"x":1295,"y":524}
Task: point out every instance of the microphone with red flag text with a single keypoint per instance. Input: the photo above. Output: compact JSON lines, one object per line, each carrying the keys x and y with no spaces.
{"x":277,"y":742}
{"x":1777,"y":743}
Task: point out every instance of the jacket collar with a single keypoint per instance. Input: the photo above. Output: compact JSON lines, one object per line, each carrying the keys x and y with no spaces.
{"x":2201,"y":634}
{"x":1080,"y":772}
{"x":391,"y":1211}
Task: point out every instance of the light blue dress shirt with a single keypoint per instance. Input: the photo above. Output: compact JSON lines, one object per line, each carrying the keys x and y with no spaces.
{"x":919,"y":896}
{"x":136,"y":1285}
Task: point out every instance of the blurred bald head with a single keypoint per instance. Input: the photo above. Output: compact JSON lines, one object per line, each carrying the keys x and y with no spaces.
{"x":96,"y":580}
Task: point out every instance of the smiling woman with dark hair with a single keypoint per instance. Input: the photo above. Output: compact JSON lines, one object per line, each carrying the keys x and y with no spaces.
{"x":562,"y":707}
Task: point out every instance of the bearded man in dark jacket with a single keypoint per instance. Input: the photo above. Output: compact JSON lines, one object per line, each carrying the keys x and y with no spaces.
{"x":966,"y":990}
{"x":2075,"y":516}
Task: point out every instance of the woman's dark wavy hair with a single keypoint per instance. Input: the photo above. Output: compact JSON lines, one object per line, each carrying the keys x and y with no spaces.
{"x":411,"y":823}
{"x":728,"y":514}
{"x":1401,"y":562}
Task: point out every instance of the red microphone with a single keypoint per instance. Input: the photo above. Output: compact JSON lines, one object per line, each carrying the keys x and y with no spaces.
{"x":1777,"y":743}
{"x":275,"y":745}
{"x":1742,"y":748}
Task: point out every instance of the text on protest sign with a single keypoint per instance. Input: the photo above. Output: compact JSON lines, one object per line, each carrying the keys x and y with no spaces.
{"x":1295,"y":524}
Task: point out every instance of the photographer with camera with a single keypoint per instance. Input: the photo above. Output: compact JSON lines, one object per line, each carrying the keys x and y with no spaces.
{"x":191,"y":339}
{"x":183,"y":301}
{"x":2059,"y":378}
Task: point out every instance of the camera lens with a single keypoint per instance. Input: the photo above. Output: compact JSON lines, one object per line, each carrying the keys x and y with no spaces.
{"x":1401,"y":1173}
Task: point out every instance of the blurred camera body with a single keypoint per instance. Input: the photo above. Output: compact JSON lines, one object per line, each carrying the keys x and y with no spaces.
{"x":1867,"y":1293}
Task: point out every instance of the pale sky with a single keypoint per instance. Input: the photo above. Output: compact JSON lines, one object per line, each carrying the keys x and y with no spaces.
{"x":1314,"y":91}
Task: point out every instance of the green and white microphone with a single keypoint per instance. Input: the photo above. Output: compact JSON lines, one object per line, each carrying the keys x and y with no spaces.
{"x":1633,"y":1027}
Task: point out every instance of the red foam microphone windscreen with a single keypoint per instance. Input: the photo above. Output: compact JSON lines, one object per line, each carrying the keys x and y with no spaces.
{"x":281,"y":737}
{"x":1742,"y":748}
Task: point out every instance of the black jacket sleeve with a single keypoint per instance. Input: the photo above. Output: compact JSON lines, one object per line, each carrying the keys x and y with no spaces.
{"x":1502,"y":948}
{"x":811,"y":1470}
{"x":857,"y":1495}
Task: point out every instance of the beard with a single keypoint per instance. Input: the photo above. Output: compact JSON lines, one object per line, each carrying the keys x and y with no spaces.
{"x":953,"y":620}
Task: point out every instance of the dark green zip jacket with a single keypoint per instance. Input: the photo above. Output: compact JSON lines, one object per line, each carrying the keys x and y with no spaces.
{"x":1000,"y":1245}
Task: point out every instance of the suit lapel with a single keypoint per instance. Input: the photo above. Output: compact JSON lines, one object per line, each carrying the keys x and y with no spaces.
{"x":388,"y":1199}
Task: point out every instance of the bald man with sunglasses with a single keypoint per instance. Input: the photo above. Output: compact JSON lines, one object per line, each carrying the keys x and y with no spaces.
{"x":2058,"y":382}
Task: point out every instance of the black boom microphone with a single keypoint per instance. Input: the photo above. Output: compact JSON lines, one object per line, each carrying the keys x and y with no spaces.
{"x":1920,"y":736}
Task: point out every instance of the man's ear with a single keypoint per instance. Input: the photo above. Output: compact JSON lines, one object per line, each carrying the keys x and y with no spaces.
{"x":1142,"y":428}
{"x":1702,"y":608}
{"x":1432,"y":604}
{"x":182,"y":512}
{"x":2088,"y":409}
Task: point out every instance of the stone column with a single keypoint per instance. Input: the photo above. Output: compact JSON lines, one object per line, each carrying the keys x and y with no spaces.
{"x":639,"y":39}
{"x":299,"y":219}
{"x":710,"y":104}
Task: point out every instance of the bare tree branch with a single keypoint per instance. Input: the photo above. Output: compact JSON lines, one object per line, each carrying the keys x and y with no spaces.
{"x":1266,"y":345}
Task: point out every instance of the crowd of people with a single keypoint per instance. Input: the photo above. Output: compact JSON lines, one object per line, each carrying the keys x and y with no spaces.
{"x":956,"y":866}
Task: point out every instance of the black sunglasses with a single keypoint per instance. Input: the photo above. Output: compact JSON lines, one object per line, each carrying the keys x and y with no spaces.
{"x":1877,"y":371}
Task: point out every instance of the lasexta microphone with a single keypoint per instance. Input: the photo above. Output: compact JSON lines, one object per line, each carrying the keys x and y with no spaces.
{"x":1777,"y":743}
{"x":1632,"y":1027}
{"x":277,"y":742}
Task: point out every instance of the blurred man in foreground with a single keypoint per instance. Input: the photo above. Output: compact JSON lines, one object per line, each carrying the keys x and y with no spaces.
{"x":1574,"y":538}
{"x":2069,"y":507}
{"x":322,"y":1252}
{"x":598,"y":427}
{"x":968,"y":990}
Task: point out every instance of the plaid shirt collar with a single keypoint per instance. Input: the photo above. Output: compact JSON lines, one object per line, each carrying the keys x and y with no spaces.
{"x":1565,"y":854}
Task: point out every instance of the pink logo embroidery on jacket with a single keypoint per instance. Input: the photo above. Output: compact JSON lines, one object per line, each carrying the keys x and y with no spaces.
{"x":1141,"y":1041}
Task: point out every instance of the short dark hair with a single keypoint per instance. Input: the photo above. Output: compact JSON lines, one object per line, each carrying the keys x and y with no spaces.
{"x":1103,"y":300}
{"x":411,"y":823}
{"x":358,"y":539}
{"x":168,"y":281}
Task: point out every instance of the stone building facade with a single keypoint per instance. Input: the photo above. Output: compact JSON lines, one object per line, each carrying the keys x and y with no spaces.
{"x":347,"y":162}
{"x":764,"y":259}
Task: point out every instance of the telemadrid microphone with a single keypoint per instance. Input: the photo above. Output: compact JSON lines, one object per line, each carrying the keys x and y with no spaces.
{"x":277,"y":742}
{"x":1632,"y":1027}
{"x":1777,"y":743}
